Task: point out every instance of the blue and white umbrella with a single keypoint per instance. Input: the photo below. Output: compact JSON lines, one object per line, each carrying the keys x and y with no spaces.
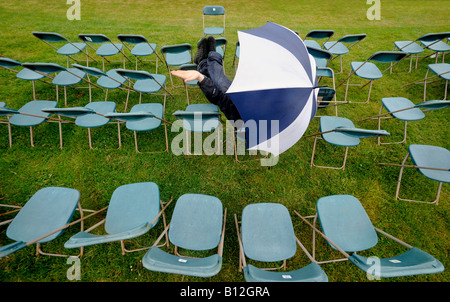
{"x":275,"y":87}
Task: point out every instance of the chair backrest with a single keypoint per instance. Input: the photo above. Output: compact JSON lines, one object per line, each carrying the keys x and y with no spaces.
{"x":133,"y":39}
{"x":387,"y":56}
{"x":213,"y":10}
{"x":352,"y":38}
{"x":431,"y":37}
{"x":90,"y":70}
{"x":196,"y":222}
{"x":177,"y":54}
{"x":267,"y":232}
{"x":319,"y":53}
{"x":94,"y":38}
{"x":320,"y":34}
{"x":131,"y":206}
{"x":9,"y":63}
{"x":345,"y":222}
{"x":44,"y":67}
{"x":49,"y":36}
{"x":135,"y":74}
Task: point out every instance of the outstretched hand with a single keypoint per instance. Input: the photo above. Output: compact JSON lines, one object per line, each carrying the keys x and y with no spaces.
{"x":188,"y":75}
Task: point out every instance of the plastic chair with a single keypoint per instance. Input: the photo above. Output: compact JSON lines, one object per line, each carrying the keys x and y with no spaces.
{"x":176,"y":55}
{"x":68,"y":49}
{"x":197,"y":119}
{"x":315,"y":35}
{"x":134,"y":209}
{"x":142,"y":48}
{"x":143,"y":117}
{"x":431,"y":161}
{"x":42,"y":219}
{"x":339,"y":48}
{"x":197,"y":226}
{"x":341,"y":132}
{"x":442,"y":71}
{"x":346,"y":227}
{"x":107,"y":49}
{"x":267,"y":235}
{"x":24,"y":74}
{"x":211,"y":28}
{"x":368,"y":70}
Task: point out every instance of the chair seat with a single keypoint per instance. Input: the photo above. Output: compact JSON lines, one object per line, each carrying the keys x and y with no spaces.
{"x":440,"y":46}
{"x":443,"y":69}
{"x":148,"y":123}
{"x":336,"y":48}
{"x":108,"y":83}
{"x":66,"y":78}
{"x":398,"y":103}
{"x":71,"y":49}
{"x":199,"y":123}
{"x":337,"y":138}
{"x":143,"y":49}
{"x":368,"y":71}
{"x":158,"y":260}
{"x":431,"y":156}
{"x":35,"y":108}
{"x":312,"y":43}
{"x":109,"y":49}
{"x":29,"y":75}
{"x":213,"y":31}
{"x":93,"y":120}
{"x":324,"y":72}
{"x":149,"y":85}
{"x":310,"y":273}
{"x":412,"y":262}
{"x":408,"y":47}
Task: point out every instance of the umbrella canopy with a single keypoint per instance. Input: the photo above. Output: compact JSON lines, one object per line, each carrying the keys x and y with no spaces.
{"x":275,"y":88}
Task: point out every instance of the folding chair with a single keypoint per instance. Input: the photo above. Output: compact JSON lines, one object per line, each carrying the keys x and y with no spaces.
{"x":198,"y":119}
{"x":369,"y":71}
{"x":143,"y":117}
{"x":176,"y":55}
{"x":267,"y":235}
{"x":431,"y":161}
{"x":347,"y":228}
{"x":211,"y":28}
{"x":107,"y":49}
{"x":30,"y":115}
{"x":142,"y":48}
{"x":338,"y":48}
{"x":134,"y":209}
{"x":145,"y":82}
{"x":24,"y":74}
{"x":341,"y":132}
{"x":315,"y":35}
{"x":68,"y":49}
{"x":42,"y":219}
{"x":197,"y":227}
{"x":442,"y":71}
{"x":64,"y":77}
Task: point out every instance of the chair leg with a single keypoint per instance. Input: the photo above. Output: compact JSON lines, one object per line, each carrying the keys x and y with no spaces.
{"x":31,"y":137}
{"x":425,"y":86}
{"x":325,"y":167}
{"x":89,"y":137}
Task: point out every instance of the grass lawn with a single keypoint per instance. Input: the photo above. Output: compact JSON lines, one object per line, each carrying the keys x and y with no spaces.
{"x":293,"y":182}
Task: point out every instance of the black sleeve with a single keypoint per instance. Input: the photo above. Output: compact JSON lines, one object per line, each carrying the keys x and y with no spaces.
{"x":216,"y":97}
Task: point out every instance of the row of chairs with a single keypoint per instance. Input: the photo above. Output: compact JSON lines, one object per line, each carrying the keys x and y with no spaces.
{"x":265,"y":233}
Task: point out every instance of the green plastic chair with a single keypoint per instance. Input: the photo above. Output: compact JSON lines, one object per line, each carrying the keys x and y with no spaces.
{"x":134,"y":209}
{"x":440,"y":70}
{"x":42,"y":219}
{"x":141,"y":48}
{"x":347,"y":228}
{"x":267,"y":235}
{"x":369,"y":71}
{"x":176,"y":55}
{"x":317,"y":34}
{"x":340,"y":131}
{"x":342,"y":46}
{"x":197,"y":226}
{"x":210,"y":27}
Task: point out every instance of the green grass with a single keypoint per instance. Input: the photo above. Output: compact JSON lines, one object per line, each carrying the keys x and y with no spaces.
{"x":292,"y":182}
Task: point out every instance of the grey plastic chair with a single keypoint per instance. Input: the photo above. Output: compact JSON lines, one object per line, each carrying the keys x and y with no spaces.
{"x":312,"y":38}
{"x":267,"y":235}
{"x":197,"y":226}
{"x":210,"y":26}
{"x":346,"y":227}
{"x":176,"y":55}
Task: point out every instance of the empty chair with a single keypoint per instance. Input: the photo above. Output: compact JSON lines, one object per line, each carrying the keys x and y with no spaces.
{"x":134,"y":209}
{"x":143,"y":117}
{"x":339,"y":48}
{"x":369,"y":71}
{"x":312,"y":37}
{"x":346,"y":226}
{"x":197,"y":119}
{"x":65,"y":47}
{"x":141,"y":48}
{"x":42,"y":219}
{"x":440,"y":70}
{"x":107,"y":49}
{"x":176,"y":55}
{"x":211,"y":24}
{"x":341,"y":132}
{"x":24,"y":74}
{"x":433,"y":162}
{"x":267,"y":235}
{"x":197,"y":226}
